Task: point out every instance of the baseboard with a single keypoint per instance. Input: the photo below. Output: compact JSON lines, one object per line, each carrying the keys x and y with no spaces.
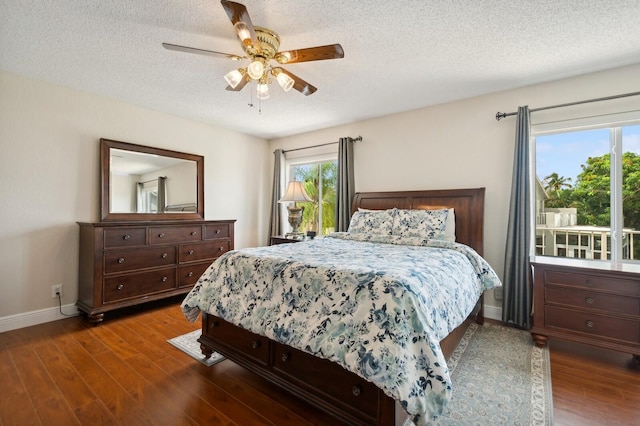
{"x":27,"y":319}
{"x":493,"y":312}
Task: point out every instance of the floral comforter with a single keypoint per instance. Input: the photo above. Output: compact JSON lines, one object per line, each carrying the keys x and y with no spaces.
{"x":378,"y":306}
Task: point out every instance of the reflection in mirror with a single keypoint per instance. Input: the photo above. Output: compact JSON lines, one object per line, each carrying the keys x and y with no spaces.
{"x":146,"y":183}
{"x":142,"y":182}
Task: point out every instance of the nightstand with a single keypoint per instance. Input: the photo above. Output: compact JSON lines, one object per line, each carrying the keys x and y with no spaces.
{"x":281,"y":239}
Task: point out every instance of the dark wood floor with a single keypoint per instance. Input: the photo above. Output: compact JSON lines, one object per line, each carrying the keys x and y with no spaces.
{"x":124,"y":372}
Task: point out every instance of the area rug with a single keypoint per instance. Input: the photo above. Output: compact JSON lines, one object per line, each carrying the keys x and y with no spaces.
{"x":188,"y":343}
{"x":499,"y":378}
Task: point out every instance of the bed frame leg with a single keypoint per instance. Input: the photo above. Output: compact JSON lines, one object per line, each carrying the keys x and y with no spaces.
{"x":480,"y":314}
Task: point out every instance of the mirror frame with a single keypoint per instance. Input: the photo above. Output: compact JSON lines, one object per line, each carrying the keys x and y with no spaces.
{"x":105,"y":171}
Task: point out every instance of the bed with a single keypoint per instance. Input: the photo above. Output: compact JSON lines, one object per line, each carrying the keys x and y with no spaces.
{"x":300,"y":341}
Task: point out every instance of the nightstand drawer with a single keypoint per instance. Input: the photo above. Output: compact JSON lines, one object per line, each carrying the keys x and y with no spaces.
{"x":594,"y":324}
{"x":592,"y":300}
{"x":594,"y":282}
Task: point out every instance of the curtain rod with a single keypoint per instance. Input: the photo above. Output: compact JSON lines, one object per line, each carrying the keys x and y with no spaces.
{"x":356,"y":139}
{"x":500,"y":115}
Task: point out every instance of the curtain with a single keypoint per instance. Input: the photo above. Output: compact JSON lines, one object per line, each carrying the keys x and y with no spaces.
{"x":139,"y":198}
{"x":345,"y":188}
{"x":275,"y":227}
{"x":162,"y":193}
{"x":518,"y":281}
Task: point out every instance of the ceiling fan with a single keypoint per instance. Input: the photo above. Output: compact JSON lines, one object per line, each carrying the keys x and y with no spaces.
{"x":261,"y":47}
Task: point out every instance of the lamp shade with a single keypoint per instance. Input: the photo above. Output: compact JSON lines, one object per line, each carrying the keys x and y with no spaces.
{"x":295,"y":192}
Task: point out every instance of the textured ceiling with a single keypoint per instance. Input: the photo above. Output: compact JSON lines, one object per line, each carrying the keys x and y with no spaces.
{"x":399,"y":55}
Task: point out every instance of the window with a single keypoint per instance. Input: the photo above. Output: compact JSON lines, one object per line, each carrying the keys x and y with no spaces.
{"x":587,"y":188}
{"x":320,"y":179}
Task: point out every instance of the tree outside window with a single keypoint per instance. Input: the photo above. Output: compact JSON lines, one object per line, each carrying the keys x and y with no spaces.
{"x":319,"y":180}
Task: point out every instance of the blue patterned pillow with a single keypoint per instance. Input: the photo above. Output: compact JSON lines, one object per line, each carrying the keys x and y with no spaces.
{"x":429,"y":224}
{"x":372,"y":221}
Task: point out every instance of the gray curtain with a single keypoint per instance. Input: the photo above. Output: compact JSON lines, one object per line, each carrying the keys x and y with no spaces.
{"x":276,"y":192}
{"x":518,"y":281}
{"x":162,"y":193}
{"x":139,"y":197}
{"x":345,"y":185}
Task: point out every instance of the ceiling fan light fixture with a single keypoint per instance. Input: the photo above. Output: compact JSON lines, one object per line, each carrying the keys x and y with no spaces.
{"x":285,"y":81}
{"x":263,"y":91}
{"x":234,"y":78}
{"x":256,"y":69}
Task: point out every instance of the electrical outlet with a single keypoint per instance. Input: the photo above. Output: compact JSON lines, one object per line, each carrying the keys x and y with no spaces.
{"x":55,"y":289}
{"x":497,"y":293}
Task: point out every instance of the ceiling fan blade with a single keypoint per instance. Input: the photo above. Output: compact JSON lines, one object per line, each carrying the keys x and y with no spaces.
{"x":241,"y":21}
{"x":186,"y":49}
{"x":299,"y":84}
{"x":330,"y":51}
{"x":240,"y":86}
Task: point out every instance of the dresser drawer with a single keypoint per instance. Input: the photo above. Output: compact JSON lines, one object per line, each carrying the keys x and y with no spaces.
{"x":138,"y":284}
{"x":594,"y":282}
{"x":252,"y":345}
{"x":174,"y":234}
{"x":593,"y":324}
{"x":188,"y":275}
{"x":592,"y":300}
{"x":124,"y":237}
{"x":202,"y":251}
{"x":127,"y":260}
{"x":218,"y":230}
{"x":345,"y":387}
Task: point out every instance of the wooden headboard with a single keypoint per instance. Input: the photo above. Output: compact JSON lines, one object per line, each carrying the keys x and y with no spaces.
{"x":468,"y":205}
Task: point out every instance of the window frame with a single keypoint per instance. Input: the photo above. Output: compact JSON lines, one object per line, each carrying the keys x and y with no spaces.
{"x":615,"y":123}
{"x":289,"y":163}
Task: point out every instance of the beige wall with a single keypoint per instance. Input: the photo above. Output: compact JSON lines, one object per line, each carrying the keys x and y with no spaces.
{"x":49,"y":179}
{"x":461,"y":145}
{"x":49,"y":170}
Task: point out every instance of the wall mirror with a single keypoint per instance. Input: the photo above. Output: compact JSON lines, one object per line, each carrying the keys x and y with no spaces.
{"x":146,"y":183}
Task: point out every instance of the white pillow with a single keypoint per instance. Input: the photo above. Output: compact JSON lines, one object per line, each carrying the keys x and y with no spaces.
{"x":450,"y":226}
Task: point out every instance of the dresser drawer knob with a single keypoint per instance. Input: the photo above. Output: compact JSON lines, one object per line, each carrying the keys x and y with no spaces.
{"x":255,"y":344}
{"x":190,"y":252}
{"x":285,"y":357}
{"x":194,"y":233}
{"x":164,"y":255}
{"x":217,"y":231}
{"x":121,"y":260}
{"x":161,"y":235}
{"x":120,"y":287}
{"x":126,"y":237}
{"x":215,"y":324}
{"x":356,"y":390}
{"x":220,"y":248}
{"x":591,"y":324}
{"x":190,"y":274}
{"x":589,"y":283}
{"x":589,"y":300}
{"x":164,"y":279}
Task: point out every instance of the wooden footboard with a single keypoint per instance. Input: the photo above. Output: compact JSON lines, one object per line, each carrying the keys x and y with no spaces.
{"x":322,"y":383}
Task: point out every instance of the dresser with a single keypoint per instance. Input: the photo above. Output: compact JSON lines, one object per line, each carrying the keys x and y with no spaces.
{"x":591,"y":302}
{"x":127,"y":263}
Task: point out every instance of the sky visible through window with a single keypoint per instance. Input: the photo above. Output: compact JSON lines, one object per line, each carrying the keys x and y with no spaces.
{"x":564,"y":153}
